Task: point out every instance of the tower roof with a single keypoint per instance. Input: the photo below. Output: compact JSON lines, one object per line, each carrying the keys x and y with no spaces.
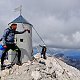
{"x":20,"y":19}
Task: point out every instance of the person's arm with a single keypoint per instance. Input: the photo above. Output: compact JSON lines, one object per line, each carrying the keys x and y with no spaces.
{"x":21,"y":32}
{"x":40,"y":45}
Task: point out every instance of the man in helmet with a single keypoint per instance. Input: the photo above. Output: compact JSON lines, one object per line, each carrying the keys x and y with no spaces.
{"x":43,"y":52}
{"x":8,"y":41}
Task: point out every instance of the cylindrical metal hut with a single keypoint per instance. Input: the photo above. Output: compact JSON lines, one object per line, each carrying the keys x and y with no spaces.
{"x":23,"y":41}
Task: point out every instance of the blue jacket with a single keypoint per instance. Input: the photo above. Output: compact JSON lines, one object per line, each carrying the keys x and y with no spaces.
{"x":9,"y":35}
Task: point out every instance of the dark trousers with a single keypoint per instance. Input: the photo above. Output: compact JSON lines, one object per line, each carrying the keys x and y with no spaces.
{"x":13,"y":47}
{"x":44,"y":54}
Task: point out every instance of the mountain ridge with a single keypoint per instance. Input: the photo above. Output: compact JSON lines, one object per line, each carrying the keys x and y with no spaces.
{"x":41,"y":69}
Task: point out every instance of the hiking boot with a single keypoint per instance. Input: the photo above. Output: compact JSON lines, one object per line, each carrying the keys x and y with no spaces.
{"x":45,"y":57}
{"x":19,"y":63}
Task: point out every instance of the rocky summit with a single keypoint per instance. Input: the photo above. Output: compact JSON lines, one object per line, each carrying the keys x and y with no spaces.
{"x":41,"y":69}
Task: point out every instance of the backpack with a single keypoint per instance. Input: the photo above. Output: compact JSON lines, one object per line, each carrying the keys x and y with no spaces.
{"x":8,"y":33}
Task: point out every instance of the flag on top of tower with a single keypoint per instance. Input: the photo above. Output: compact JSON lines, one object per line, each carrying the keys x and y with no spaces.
{"x":18,"y":8}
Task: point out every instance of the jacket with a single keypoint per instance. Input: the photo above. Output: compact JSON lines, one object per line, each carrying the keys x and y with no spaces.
{"x":9,"y":35}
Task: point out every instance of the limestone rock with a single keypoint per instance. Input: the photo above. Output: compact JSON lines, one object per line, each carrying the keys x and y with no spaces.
{"x":53,"y":69}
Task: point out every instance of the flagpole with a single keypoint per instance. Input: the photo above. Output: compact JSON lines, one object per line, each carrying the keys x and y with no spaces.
{"x":20,"y":9}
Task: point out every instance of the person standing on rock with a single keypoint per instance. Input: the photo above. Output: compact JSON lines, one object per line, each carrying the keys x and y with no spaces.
{"x":8,"y":41}
{"x":43,"y":52}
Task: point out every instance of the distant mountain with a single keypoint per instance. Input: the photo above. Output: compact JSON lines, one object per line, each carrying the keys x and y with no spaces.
{"x":70,"y":60}
{"x":69,"y":56}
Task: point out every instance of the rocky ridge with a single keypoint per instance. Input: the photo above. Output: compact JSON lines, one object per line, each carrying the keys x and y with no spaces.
{"x":40,"y":69}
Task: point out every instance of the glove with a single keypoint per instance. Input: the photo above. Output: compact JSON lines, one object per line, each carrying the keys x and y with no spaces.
{"x":4,"y":46}
{"x":27,"y":30}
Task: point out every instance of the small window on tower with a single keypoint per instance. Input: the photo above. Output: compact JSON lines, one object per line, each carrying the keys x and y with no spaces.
{"x":21,"y":40}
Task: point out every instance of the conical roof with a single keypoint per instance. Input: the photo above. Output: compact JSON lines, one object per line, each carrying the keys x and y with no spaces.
{"x":20,"y":19}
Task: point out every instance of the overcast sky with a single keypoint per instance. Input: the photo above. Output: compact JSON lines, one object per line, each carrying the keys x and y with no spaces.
{"x":57,"y":21}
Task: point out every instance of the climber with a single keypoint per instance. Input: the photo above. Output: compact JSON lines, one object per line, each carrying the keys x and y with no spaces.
{"x":8,"y":41}
{"x":43,"y":53}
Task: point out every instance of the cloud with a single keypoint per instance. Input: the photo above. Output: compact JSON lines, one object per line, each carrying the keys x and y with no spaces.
{"x":57,"y":21}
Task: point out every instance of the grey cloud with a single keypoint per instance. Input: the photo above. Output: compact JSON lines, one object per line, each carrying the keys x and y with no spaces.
{"x":57,"y":21}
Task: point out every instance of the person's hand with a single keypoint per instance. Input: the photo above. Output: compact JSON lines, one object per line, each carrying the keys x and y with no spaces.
{"x":27,"y":30}
{"x":4,"y":46}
